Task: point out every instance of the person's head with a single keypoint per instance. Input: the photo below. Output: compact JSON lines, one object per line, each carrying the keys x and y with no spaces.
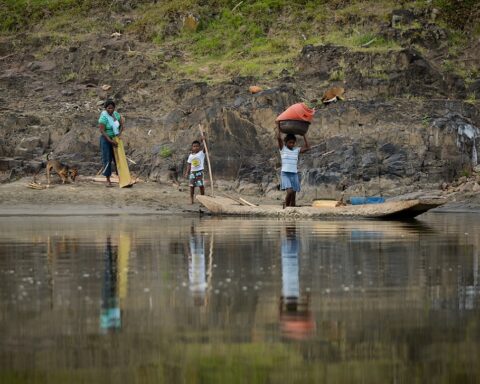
{"x":196,"y":146}
{"x":290,"y":140}
{"x":109,"y":106}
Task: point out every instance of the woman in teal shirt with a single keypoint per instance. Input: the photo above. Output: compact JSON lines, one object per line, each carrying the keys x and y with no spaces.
{"x":111,"y":125}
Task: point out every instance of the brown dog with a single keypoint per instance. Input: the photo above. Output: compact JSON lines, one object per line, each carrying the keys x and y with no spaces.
{"x":63,"y":170}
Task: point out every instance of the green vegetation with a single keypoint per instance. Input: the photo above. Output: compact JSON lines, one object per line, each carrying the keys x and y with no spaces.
{"x":69,"y":77}
{"x":165,"y":152}
{"x":459,"y":14}
{"x":231,"y":37}
{"x":20,"y":14}
{"x":426,"y":121}
{"x":471,"y":98}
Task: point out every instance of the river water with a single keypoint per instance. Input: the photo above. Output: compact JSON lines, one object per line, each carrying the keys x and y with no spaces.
{"x":207,"y":300}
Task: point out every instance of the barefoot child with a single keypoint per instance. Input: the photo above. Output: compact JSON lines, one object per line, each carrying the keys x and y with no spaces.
{"x":195,"y":168}
{"x":289,"y":176}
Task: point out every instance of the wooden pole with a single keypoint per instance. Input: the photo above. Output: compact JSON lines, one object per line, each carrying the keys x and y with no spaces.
{"x":208,"y":158}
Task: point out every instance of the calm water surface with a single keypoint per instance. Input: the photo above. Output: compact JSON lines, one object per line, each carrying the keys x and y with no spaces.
{"x":182,"y":300}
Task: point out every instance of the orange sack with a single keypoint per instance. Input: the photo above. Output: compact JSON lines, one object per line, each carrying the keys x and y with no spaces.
{"x":297,"y":111}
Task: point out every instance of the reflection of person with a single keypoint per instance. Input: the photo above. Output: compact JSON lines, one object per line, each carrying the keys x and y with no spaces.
{"x":111,"y":125}
{"x":289,"y":180}
{"x":296,"y":320}
{"x":110,"y":318}
{"x":194,"y":170}
{"x":290,"y":280}
{"x":196,"y":266}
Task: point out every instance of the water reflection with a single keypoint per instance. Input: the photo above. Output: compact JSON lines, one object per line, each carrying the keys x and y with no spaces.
{"x":233,"y":301}
{"x":197,"y":274}
{"x":115,"y":282}
{"x":296,"y":319}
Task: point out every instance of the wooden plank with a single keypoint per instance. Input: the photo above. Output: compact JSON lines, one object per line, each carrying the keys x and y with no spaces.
{"x":247,"y":202}
{"x":208,"y":157}
{"x":101,"y":179}
{"x":125,"y":180}
{"x":324,"y":203}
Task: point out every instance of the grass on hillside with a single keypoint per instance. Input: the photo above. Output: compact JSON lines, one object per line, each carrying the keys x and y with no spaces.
{"x":250,"y":37}
{"x":260,"y":38}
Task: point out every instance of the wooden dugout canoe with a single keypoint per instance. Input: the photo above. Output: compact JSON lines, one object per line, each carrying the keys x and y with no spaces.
{"x":389,"y":210}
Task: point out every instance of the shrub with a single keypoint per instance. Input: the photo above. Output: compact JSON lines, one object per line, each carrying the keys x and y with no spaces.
{"x":165,"y":152}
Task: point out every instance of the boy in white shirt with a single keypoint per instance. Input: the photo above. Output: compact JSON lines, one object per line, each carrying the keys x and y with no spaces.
{"x":289,"y":180}
{"x":194,"y":170}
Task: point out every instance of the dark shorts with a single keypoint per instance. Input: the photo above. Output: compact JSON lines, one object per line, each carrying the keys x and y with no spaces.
{"x":196,"y":179}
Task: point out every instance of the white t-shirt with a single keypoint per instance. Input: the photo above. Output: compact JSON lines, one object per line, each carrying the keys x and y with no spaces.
{"x":289,"y":159}
{"x":196,"y":161}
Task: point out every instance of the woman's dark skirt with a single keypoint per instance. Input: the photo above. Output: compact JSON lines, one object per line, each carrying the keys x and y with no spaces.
{"x":107,"y":156}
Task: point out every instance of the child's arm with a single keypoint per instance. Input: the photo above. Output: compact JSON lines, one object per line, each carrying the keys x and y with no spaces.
{"x":306,"y":146}
{"x":279,"y":137}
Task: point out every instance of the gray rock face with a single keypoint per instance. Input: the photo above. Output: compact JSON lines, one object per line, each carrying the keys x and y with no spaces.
{"x":388,"y":136}
{"x":403,"y":73}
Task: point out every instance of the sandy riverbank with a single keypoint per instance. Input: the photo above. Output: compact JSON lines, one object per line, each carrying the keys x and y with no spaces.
{"x":87,"y":197}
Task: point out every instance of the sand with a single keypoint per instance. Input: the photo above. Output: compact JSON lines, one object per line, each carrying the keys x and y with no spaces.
{"x":86,"y":197}
{"x":93,"y":198}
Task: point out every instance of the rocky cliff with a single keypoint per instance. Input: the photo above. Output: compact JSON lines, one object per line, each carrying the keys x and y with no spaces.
{"x":407,"y":123}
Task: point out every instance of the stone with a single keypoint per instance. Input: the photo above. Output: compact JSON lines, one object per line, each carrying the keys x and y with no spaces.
{"x":7,"y":163}
{"x":27,"y":146}
{"x":396,"y":21}
{"x":467,"y":187}
{"x":388,"y":149}
{"x":474,"y":89}
{"x":33,"y":166}
{"x":44,"y":66}
{"x":403,"y":15}
{"x":255,"y":89}
{"x":8,"y":175}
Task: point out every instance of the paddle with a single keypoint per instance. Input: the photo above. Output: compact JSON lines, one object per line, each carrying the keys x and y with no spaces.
{"x":208,"y":158}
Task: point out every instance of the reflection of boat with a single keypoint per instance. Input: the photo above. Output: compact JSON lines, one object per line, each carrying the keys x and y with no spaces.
{"x":389,"y":210}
